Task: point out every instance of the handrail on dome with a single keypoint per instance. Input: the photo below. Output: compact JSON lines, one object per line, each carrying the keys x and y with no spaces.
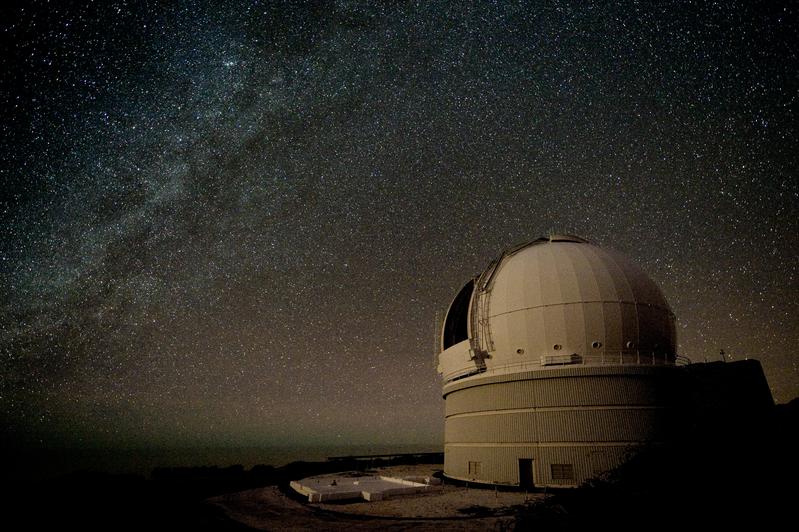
{"x":544,"y":240}
{"x":488,"y":274}
{"x":628,"y":358}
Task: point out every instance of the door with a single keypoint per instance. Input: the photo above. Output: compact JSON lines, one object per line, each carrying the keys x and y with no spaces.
{"x":526,"y":477}
{"x":598,"y":464}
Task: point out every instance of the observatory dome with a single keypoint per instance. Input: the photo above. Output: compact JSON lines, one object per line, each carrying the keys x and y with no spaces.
{"x":554,"y":301}
{"x":556,"y":360}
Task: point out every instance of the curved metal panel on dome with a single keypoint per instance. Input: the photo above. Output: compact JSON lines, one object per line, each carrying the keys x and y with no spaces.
{"x":456,"y":322}
{"x":564,"y":298}
{"x":457,"y":362}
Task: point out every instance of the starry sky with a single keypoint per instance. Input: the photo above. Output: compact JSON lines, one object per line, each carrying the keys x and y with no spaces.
{"x":233,"y":223}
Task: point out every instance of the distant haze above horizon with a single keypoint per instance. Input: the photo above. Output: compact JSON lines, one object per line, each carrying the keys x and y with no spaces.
{"x":234,"y":223}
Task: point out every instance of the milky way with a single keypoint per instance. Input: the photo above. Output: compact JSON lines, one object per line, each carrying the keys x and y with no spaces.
{"x":236,"y":223}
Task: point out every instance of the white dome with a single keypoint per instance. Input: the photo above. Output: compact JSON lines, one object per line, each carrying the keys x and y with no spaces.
{"x":556,"y":300}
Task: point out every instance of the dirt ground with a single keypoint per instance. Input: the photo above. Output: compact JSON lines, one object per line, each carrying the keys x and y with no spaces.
{"x":451,"y":508}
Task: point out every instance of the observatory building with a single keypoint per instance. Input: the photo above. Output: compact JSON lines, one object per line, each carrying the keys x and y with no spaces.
{"x":557,"y":361}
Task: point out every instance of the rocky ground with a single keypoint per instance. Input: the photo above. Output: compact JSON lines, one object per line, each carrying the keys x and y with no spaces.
{"x":454,"y":507}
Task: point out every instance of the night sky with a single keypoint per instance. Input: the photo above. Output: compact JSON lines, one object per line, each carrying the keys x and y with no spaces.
{"x":234,"y":223}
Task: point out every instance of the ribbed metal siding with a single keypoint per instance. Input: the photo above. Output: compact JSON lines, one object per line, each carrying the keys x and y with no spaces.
{"x":584,"y":419}
{"x":639,"y":425}
{"x":549,"y":392}
{"x":500,"y":465}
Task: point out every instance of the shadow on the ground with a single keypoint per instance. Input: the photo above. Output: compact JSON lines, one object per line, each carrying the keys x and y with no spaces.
{"x":731,"y":469}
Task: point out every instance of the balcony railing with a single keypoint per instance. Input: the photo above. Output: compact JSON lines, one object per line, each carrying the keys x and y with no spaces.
{"x":624,"y":358}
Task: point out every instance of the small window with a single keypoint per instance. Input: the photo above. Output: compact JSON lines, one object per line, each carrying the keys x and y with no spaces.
{"x":474,"y":469}
{"x":562,"y":471}
{"x":557,"y":347}
{"x":520,"y":351}
{"x":596,"y":345}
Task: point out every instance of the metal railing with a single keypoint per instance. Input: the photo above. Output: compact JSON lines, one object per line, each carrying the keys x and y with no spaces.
{"x":624,"y":358}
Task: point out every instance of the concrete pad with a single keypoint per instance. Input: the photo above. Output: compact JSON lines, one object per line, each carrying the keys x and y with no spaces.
{"x":370,"y":488}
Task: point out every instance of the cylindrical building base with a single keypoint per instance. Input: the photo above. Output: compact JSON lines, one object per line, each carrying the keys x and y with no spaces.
{"x":555,"y":427}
